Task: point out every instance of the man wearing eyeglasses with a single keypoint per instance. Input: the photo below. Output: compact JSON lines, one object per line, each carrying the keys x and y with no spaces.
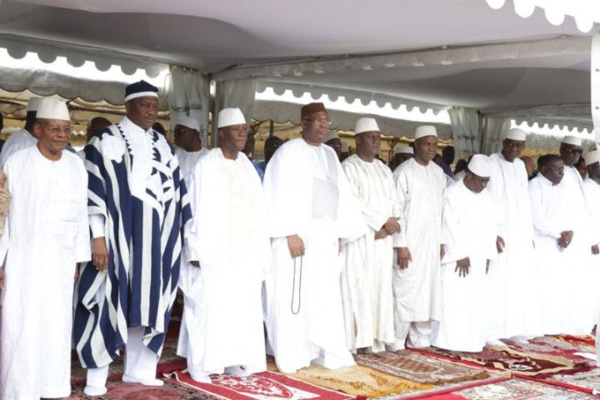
{"x":514,"y":305}
{"x":553,"y":232}
{"x":311,"y":209}
{"x":579,"y":269}
{"x":49,"y":210}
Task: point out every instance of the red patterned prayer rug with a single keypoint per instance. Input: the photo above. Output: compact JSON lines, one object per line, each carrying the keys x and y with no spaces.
{"x":128,"y":391}
{"x":262,"y":386}
{"x":527,"y":363}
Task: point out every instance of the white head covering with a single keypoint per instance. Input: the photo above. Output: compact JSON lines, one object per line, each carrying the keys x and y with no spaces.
{"x":404,"y":150}
{"x":516,"y":134}
{"x":366,"y":125}
{"x":189,"y":123}
{"x":51,"y":108}
{"x":425,"y":130}
{"x":33,"y":103}
{"x":229,"y":117}
{"x":480,"y":165}
{"x":331,"y":135}
{"x":573,"y":140}
{"x":592,"y":157}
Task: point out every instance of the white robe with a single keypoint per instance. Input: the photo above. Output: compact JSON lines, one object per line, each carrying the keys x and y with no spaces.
{"x":514,"y":307}
{"x":47,"y":234}
{"x":308,"y":194}
{"x":367,"y":274}
{"x":188,"y":161}
{"x":469,"y":230}
{"x":417,"y":289}
{"x":552,"y":215}
{"x":592,"y":193}
{"x":222,"y":322}
{"x":19,"y":140}
{"x":581,"y":270}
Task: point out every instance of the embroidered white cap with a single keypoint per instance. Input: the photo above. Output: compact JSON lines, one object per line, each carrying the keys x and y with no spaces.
{"x":331,"y":135}
{"x":229,"y":117}
{"x":516,"y":134}
{"x":425,"y":130}
{"x":189,"y":122}
{"x":404,"y":150}
{"x":366,"y":124}
{"x":52,"y":108}
{"x":572,"y":140}
{"x":480,"y":165}
{"x":33,"y":103}
{"x":592,"y":157}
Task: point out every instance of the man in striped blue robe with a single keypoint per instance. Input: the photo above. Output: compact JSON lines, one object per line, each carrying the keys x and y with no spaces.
{"x":138,"y":207}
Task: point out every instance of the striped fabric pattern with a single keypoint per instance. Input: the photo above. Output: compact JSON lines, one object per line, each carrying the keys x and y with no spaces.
{"x":144,"y":239}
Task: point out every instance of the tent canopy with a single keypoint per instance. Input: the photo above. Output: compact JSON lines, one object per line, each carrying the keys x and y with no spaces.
{"x":420,"y":52}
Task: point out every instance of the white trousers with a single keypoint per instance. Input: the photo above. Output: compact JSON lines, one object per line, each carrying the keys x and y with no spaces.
{"x":415,"y":334}
{"x":140,"y":361}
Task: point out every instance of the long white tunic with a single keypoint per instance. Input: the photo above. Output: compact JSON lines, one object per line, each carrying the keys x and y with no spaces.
{"x":188,"y":161}
{"x":222,"y":321}
{"x":592,"y":193}
{"x":19,"y":140}
{"x":552,"y":214}
{"x":367,"y":274}
{"x":308,"y":194}
{"x":581,"y":271}
{"x":469,"y":230}
{"x":417,"y":289}
{"x":514,"y":307}
{"x":47,"y":235}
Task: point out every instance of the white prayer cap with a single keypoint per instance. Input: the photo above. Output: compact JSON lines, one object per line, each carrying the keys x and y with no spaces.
{"x":51,"y":108}
{"x":345,"y":147}
{"x":189,"y":123}
{"x":425,"y":130}
{"x":404,"y":150}
{"x":573,"y":140}
{"x":592,"y":157}
{"x":33,"y":103}
{"x":516,"y":134}
{"x":331,"y":135}
{"x":366,"y":125}
{"x":480,"y":165}
{"x":230,"y":117}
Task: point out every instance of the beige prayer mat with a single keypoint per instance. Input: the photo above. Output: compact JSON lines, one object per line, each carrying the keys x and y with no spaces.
{"x":359,"y":381}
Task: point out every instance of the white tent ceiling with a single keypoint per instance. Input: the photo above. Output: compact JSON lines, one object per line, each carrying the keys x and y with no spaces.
{"x":438,"y":52}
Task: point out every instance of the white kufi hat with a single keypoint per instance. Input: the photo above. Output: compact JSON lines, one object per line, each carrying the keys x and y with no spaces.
{"x":572,"y":140}
{"x":516,"y":134}
{"x":592,"y":157}
{"x":51,"y":108}
{"x":189,"y":123}
{"x":229,"y":117}
{"x":480,"y":165}
{"x":366,"y":125}
{"x":425,"y":130}
{"x":404,"y":150}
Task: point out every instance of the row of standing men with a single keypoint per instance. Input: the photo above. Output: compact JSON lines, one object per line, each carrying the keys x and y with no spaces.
{"x":382,"y":240}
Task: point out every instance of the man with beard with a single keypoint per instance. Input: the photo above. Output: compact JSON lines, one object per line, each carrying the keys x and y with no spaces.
{"x":514,"y":306}
{"x":420,"y":185}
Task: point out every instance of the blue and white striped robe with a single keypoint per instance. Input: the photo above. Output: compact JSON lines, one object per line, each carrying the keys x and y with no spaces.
{"x":144,"y":240}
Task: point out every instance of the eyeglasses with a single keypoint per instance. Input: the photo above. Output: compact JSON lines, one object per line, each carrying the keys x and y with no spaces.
{"x":571,"y":150}
{"x":322,"y":122}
